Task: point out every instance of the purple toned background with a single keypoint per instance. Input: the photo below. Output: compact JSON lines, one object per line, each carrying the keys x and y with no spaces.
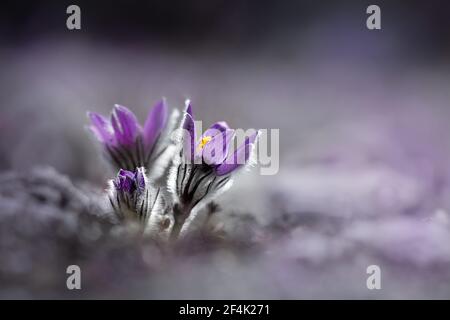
{"x":364,"y":150}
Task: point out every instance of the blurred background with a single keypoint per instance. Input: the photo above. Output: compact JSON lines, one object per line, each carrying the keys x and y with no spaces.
{"x":363,"y":116}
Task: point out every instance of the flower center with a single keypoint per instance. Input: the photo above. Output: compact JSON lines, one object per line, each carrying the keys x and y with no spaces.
{"x":203,"y":142}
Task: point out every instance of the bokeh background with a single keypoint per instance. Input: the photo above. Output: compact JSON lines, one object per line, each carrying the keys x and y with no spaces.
{"x":363,"y":116}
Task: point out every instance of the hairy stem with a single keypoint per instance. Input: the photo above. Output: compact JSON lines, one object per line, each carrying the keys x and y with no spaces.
{"x":180,"y":215}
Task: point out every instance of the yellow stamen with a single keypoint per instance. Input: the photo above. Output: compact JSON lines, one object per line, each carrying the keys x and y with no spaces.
{"x":204,"y":141}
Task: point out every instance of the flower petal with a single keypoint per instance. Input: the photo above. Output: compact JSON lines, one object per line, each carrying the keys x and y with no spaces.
{"x":155,"y":123}
{"x":140,"y":179}
{"x":239,"y":157}
{"x":216,"y":128}
{"x":188,"y":108}
{"x":188,"y":133}
{"x":101,"y":128}
{"x":124,"y":181}
{"x":216,"y":150}
{"x":125,"y":125}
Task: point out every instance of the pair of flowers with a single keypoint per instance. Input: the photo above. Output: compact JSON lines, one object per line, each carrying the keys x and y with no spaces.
{"x":192,"y":170}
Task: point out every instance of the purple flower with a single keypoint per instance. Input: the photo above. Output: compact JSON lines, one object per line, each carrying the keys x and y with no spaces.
{"x":204,"y":167}
{"x":213,"y":146}
{"x":129,"y":182}
{"x":132,"y":197}
{"x":129,"y":145}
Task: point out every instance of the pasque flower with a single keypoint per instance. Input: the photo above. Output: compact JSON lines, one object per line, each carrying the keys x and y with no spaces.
{"x":127,"y":144}
{"x":204,"y":167}
{"x":133,"y":198}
